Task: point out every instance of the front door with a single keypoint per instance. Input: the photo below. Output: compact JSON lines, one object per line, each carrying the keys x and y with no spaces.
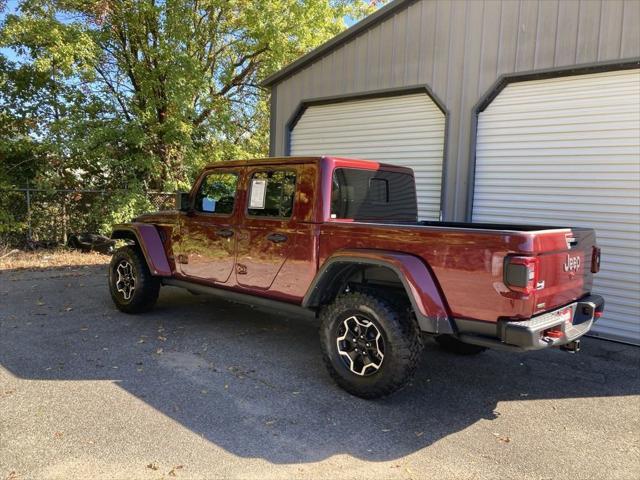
{"x":266,"y":235}
{"x":207,"y":235}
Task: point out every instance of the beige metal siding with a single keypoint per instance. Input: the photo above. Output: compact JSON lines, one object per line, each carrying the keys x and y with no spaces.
{"x":566,"y":151}
{"x":404,"y":130}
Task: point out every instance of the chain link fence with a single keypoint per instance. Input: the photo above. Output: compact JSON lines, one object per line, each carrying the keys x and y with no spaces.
{"x":48,"y":217}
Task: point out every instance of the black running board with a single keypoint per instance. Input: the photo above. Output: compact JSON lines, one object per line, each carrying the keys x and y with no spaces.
{"x":243,"y":298}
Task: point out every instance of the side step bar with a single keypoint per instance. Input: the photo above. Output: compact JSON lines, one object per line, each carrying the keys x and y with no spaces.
{"x":237,"y":297}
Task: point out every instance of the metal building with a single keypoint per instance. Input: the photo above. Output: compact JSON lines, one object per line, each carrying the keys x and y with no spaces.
{"x":508,"y":111}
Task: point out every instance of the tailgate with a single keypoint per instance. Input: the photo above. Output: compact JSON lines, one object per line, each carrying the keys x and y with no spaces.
{"x":564,"y":267}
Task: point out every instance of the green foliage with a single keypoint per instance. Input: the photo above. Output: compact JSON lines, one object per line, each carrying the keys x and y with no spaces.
{"x":119,"y":208}
{"x":141,"y":94}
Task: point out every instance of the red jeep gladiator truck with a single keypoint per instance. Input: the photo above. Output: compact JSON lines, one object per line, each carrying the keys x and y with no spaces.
{"x":340,"y":238}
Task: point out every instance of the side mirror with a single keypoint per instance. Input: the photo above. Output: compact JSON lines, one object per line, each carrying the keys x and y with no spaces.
{"x":182,"y":201}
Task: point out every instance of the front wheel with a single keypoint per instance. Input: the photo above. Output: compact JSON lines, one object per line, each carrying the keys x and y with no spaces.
{"x":133,"y":288}
{"x":370,"y":347}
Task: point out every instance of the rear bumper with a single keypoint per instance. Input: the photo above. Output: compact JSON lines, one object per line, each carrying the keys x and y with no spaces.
{"x":534,"y":334}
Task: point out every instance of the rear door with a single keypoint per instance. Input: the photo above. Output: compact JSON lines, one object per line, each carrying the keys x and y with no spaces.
{"x":267,"y":235}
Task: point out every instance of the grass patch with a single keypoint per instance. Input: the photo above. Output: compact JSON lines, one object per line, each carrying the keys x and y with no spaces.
{"x":45,"y":259}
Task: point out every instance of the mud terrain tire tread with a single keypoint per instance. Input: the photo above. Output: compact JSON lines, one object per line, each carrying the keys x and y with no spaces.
{"x":403,"y":344}
{"x":147,"y":287}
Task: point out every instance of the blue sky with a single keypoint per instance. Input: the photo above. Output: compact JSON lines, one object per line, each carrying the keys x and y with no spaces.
{"x":10,"y":8}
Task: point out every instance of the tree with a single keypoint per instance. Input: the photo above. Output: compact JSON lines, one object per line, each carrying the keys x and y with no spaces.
{"x":163,"y":86}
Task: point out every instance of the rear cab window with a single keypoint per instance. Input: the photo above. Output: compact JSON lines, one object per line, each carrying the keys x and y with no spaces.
{"x":373,"y":195}
{"x":271,"y":194}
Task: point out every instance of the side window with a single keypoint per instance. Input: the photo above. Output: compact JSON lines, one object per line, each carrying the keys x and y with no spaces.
{"x":217,"y":193}
{"x":271,"y":193}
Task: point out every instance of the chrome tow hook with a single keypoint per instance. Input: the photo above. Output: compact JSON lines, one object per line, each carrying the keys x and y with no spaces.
{"x":571,"y":347}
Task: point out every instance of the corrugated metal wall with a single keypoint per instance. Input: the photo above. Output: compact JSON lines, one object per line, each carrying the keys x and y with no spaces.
{"x":459,"y":48}
{"x":405,"y":130}
{"x":566,"y":151}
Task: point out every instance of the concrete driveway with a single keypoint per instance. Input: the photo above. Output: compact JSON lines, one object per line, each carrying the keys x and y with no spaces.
{"x":200,"y":388}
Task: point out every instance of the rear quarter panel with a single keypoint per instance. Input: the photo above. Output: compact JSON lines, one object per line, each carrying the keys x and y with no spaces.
{"x":467,"y":263}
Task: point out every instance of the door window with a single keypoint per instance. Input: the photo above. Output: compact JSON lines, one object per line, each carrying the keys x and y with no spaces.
{"x":271,"y":194}
{"x":217,"y":193}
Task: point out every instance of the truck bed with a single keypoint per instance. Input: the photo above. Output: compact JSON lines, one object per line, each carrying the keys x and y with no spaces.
{"x":468,"y":261}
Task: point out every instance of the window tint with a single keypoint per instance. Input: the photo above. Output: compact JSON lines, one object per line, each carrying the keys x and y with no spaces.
{"x":217,"y":193}
{"x":271,"y":193}
{"x":373,"y":195}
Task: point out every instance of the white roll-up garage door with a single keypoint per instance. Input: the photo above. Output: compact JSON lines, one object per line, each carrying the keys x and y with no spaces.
{"x":566,"y":151}
{"x":404,"y":130}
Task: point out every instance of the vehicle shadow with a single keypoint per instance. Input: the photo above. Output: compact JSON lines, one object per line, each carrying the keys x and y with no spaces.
{"x":252,"y":381}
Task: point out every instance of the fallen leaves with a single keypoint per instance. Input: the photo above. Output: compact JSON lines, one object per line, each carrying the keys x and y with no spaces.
{"x":42,"y":259}
{"x":502,"y":438}
{"x":6,"y":393}
{"x":172,"y":472}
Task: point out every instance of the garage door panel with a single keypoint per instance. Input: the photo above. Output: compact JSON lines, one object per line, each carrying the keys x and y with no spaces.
{"x":410,"y":146}
{"x":541,"y":117}
{"x":566,"y":151}
{"x":405,"y":130}
{"x":366,"y":135}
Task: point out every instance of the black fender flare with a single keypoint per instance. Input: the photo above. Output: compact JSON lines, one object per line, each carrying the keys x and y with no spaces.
{"x":148,"y":239}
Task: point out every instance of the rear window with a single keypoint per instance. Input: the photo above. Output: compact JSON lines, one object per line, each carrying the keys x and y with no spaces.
{"x":373,"y":195}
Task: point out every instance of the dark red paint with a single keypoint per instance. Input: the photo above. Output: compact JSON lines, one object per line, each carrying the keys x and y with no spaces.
{"x":463,"y":266}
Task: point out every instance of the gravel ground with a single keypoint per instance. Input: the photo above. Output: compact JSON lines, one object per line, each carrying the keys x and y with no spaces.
{"x":200,"y":388}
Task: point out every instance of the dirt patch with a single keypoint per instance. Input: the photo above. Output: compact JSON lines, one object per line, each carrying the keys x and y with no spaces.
{"x":45,"y":259}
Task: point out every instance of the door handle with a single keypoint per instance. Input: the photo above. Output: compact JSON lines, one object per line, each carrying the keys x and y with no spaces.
{"x":225,"y":233}
{"x":277,"y":237}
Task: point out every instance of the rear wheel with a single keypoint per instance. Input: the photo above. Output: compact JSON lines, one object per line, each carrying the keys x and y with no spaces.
{"x":133,"y":288}
{"x":453,"y":345}
{"x":370,"y":347}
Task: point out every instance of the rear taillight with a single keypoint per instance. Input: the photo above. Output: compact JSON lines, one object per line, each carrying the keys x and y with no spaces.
{"x":521,"y":274}
{"x":595,"y":260}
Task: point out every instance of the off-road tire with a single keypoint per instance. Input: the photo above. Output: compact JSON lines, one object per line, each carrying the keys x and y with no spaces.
{"x":400,"y":334}
{"x":146,"y":289}
{"x":453,"y":345}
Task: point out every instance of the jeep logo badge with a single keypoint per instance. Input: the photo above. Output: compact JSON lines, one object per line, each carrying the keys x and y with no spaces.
{"x":572,"y":264}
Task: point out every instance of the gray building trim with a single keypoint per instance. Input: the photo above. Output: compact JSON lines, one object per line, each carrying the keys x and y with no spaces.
{"x":273,"y":108}
{"x":387,"y":92}
{"x":507,"y":79}
{"x":362,"y":25}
